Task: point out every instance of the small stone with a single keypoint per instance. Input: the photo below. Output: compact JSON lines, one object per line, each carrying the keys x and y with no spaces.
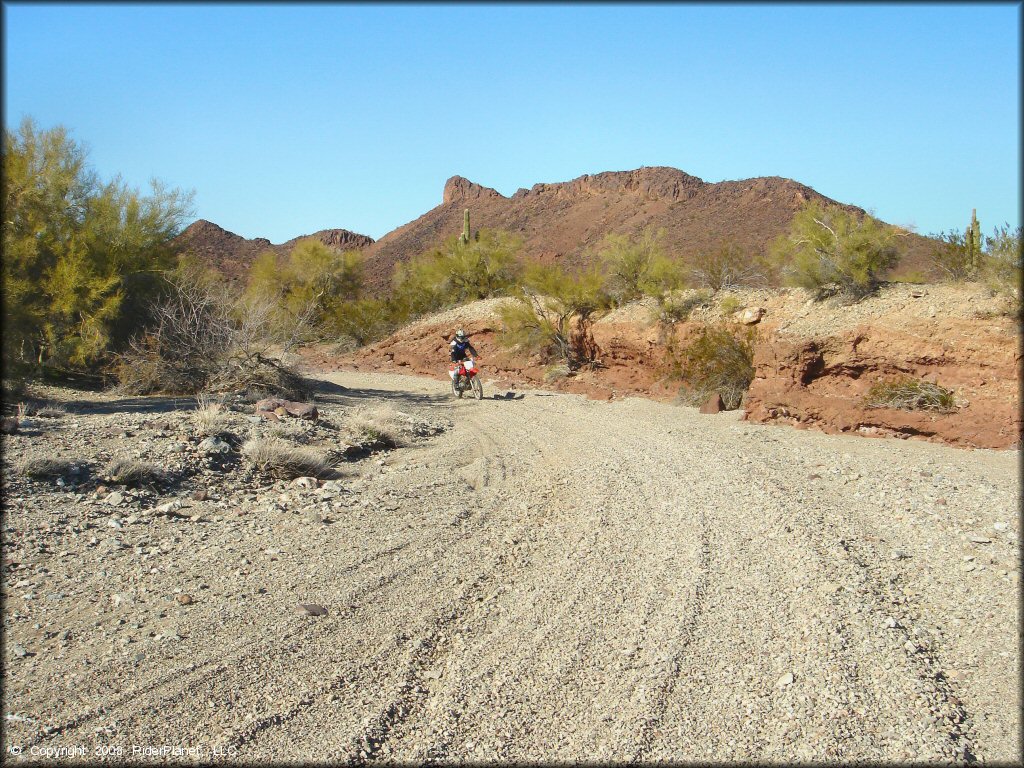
{"x":19,"y":651}
{"x":979,"y":540}
{"x":1000,"y":526}
{"x":309,"y":609}
{"x":184,"y":599}
{"x":899,"y":554}
{"x":114,"y":499}
{"x":304,"y":482}
{"x":200,"y":495}
{"x":786,"y":680}
{"x":751,"y":315}
{"x":212,"y":446}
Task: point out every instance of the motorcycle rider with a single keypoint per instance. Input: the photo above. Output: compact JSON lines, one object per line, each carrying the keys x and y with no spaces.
{"x":460,"y":345}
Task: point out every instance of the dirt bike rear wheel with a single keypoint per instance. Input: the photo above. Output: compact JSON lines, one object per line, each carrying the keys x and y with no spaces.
{"x":478,"y":388}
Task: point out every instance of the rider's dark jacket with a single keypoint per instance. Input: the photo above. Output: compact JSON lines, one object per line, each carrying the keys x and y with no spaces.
{"x":459,"y":348}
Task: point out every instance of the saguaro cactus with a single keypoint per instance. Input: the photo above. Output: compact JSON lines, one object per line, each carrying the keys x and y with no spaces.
{"x":464,"y":237}
{"x":973,"y":242}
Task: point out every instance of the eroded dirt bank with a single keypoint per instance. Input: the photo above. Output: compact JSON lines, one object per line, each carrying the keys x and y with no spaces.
{"x":550,"y":578}
{"x":815,"y":360}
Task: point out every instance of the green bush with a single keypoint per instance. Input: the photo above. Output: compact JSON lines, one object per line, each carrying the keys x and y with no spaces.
{"x":1001,"y":268}
{"x":553,"y":314}
{"x":829,"y":249}
{"x":455,"y":272}
{"x":81,"y":259}
{"x":676,"y":307}
{"x":910,"y":394}
{"x":637,"y":266}
{"x":363,"y":321}
{"x":719,"y":360}
{"x":951,"y":258}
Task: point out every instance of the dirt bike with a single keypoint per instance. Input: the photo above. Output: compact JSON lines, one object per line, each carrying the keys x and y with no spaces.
{"x":465,"y":375}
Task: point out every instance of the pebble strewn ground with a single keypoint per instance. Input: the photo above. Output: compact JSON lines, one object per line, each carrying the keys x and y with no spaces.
{"x":540,"y":577}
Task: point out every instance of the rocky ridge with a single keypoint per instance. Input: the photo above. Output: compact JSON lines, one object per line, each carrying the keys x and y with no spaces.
{"x":566,"y":221}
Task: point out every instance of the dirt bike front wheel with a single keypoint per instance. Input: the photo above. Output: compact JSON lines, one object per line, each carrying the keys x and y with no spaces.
{"x":478,"y":388}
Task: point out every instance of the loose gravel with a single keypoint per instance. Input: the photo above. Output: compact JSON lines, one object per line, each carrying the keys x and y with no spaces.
{"x":530,"y":578}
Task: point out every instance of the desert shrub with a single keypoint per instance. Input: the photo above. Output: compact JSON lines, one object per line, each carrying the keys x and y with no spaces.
{"x":275,"y":457}
{"x":302,"y":293}
{"x":676,"y":307}
{"x":455,"y":272}
{"x":728,"y":266}
{"x":637,"y":266}
{"x":207,"y":338}
{"x":910,"y":276}
{"x":361,"y":322}
{"x":951,"y":258}
{"x":381,"y":424}
{"x":910,"y":394}
{"x":209,"y":417}
{"x":553,"y":314}
{"x":729,"y":304}
{"x":719,"y":360}
{"x":1001,"y":268}
{"x":132,"y":472}
{"x":51,"y":411}
{"x":43,"y":467}
{"x":830,"y":249}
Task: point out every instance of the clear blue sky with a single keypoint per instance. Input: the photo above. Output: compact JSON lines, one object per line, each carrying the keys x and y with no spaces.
{"x":286,"y":119}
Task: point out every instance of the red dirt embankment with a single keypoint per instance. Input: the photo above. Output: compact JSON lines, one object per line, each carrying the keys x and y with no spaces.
{"x":814,"y":361}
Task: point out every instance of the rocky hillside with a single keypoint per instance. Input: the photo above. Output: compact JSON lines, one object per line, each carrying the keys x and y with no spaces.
{"x":233,"y":254}
{"x":568,"y":220}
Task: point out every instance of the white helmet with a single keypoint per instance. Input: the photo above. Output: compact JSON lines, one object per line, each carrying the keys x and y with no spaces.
{"x":460,"y":334}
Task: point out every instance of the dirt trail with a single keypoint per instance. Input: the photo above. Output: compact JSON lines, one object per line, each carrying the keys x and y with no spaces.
{"x":560,"y":579}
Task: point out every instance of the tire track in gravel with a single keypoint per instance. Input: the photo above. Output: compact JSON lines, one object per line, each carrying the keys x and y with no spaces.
{"x":568,"y":580}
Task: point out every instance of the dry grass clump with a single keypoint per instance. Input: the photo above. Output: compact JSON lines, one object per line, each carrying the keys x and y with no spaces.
{"x":132,"y":472}
{"x":278,"y":458}
{"x":379,"y":424}
{"x":51,"y":411}
{"x":910,"y":394}
{"x":209,"y":417}
{"x":718,"y":360}
{"x":46,"y":467}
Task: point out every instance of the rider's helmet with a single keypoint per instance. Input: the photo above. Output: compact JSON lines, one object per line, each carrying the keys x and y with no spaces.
{"x":460,"y":335}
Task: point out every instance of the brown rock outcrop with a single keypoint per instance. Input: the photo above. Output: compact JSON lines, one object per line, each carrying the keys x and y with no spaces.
{"x":823,"y":382}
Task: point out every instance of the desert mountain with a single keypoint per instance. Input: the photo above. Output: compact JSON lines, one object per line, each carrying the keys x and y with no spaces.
{"x":233,"y":254}
{"x":567,"y":221}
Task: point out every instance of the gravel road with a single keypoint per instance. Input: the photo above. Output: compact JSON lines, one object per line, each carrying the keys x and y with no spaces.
{"x":556,"y":579}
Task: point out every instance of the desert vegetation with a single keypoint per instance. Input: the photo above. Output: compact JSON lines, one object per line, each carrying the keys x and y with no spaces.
{"x":911,"y":394}
{"x":720,"y":359}
{"x":83,"y":258}
{"x":830,"y":250}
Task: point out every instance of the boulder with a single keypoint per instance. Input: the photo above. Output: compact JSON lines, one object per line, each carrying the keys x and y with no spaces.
{"x":713,"y":404}
{"x":750,"y":315}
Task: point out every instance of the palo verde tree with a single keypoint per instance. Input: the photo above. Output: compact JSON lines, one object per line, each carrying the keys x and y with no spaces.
{"x":637,"y":266}
{"x":553,"y":312}
{"x":829,"y":248}
{"x":82,"y":258}
{"x":308,"y":288}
